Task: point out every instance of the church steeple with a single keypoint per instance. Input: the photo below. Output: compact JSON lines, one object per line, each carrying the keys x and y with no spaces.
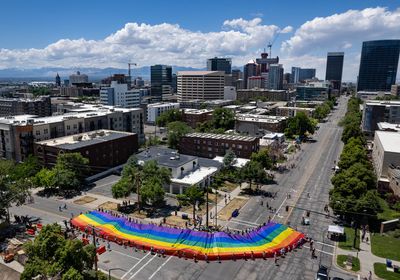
{"x":58,"y":80}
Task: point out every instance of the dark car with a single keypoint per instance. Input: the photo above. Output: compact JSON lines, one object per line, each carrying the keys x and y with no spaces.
{"x":337,"y":278}
{"x":322,"y":273}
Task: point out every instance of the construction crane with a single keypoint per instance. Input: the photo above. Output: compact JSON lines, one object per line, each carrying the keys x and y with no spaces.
{"x":270,"y":44}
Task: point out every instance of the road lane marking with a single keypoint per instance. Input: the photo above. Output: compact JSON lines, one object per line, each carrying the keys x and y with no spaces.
{"x":123,"y":254}
{"x":325,"y":244}
{"x":277,"y":211}
{"x":134,"y":266}
{"x":331,"y":254}
{"x":161,"y":266}
{"x":143,"y":266}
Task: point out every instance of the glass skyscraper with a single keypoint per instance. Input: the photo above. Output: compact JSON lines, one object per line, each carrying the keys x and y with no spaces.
{"x":334,"y":68}
{"x":219,"y":64}
{"x":378,"y":65}
{"x":161,"y":81}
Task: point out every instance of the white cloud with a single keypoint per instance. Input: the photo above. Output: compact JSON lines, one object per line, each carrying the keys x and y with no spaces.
{"x":341,"y":31}
{"x":148,"y":44}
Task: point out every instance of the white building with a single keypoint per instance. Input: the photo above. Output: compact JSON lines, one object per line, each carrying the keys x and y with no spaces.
{"x":386,"y":152}
{"x":156,"y":109}
{"x":202,"y":85}
{"x":119,"y":95}
{"x":185,"y":170}
{"x":230,"y":93}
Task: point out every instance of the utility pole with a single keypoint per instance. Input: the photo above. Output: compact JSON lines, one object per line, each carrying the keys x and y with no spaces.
{"x":207,"y":207}
{"x":138,"y":181}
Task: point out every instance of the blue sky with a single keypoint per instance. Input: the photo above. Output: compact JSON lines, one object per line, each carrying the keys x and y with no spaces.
{"x":31,"y":31}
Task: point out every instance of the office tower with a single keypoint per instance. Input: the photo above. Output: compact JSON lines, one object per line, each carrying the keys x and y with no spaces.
{"x":78,"y":78}
{"x":58,"y":80}
{"x":249,"y":70}
{"x":334,"y":68}
{"x":306,"y":74}
{"x":299,"y":75}
{"x":236,"y":75}
{"x":275,"y":76}
{"x":378,"y":65}
{"x":219,"y":64}
{"x":256,"y":82}
{"x":161,"y":81}
{"x":202,"y":85}
{"x":294,"y":78}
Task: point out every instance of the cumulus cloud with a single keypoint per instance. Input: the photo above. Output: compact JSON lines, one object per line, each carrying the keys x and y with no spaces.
{"x":148,"y":44}
{"x":342,"y":31}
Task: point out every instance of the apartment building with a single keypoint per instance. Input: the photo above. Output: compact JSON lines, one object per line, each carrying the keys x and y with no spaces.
{"x":210,"y":145}
{"x":258,"y":125}
{"x":376,"y":111}
{"x":18,"y":133}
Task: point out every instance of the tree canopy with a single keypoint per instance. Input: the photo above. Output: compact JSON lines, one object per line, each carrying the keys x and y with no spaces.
{"x":50,"y":254}
{"x":175,"y":131}
{"x":150,"y":177}
{"x":223,"y":118}
{"x":229,"y":159}
{"x":299,"y":125}
{"x":193,"y":195}
{"x":169,"y":116}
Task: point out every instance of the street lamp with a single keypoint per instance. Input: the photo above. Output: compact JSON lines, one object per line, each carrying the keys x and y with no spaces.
{"x":115,"y":268}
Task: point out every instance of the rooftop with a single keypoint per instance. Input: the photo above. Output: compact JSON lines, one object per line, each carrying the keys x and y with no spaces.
{"x":76,"y":141}
{"x":200,"y":73}
{"x":160,"y":104}
{"x":220,"y":136}
{"x":197,"y":111}
{"x":390,"y":140}
{"x":165,"y":157}
{"x":260,"y":118}
{"x":297,"y":108}
{"x":388,"y":126}
{"x":195,"y":176}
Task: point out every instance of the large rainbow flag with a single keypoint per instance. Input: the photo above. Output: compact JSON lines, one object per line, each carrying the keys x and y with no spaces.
{"x":261,"y":242}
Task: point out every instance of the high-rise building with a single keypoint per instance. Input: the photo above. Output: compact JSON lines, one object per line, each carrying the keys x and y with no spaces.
{"x":58,"y":80}
{"x":119,"y":95}
{"x":161,"y":81}
{"x":202,"y":85}
{"x":219,"y":64}
{"x":264,"y":62}
{"x":78,"y":78}
{"x":256,"y":82}
{"x":306,"y":74}
{"x":378,"y":65}
{"x":299,"y":75}
{"x":275,"y":76}
{"x":249,"y":70}
{"x":334,"y":68}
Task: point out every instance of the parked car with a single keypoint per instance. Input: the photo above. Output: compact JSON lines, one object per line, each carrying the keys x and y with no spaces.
{"x":322,"y":273}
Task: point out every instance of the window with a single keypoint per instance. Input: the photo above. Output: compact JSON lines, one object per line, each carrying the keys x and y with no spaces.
{"x":75,"y":126}
{"x":68,"y":127}
{"x":240,"y":147}
{"x":37,"y":132}
{"x":46,"y":131}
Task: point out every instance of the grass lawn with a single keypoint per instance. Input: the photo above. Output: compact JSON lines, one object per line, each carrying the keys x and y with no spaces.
{"x":387,"y":213}
{"x":386,"y":247}
{"x":226,"y":212}
{"x":348,"y":244}
{"x":381,"y":272}
{"x":341,"y":259}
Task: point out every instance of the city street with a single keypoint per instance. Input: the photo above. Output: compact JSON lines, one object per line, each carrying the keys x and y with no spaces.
{"x":308,"y":185}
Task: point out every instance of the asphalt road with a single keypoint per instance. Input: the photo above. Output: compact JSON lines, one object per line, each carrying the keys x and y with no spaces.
{"x":310,"y":176}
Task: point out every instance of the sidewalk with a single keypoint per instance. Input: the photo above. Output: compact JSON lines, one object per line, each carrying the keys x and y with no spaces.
{"x":367,"y":259}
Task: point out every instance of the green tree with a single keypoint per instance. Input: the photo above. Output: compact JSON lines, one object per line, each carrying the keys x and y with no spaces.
{"x":169,"y":116}
{"x":193,"y":195}
{"x":73,"y":162}
{"x":45,"y":178}
{"x":299,"y":125}
{"x":223,"y":118}
{"x":175,"y":131}
{"x":229,"y":159}
{"x":72,"y":274}
{"x":150,"y":177}
{"x":152,"y":191}
{"x":253,"y":171}
{"x":263,"y":157}
{"x":50,"y":254}
{"x":12,"y":189}
{"x":26,"y":169}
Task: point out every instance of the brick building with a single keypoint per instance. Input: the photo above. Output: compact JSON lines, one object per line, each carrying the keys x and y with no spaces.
{"x":257,"y":125}
{"x":246,"y":95}
{"x":20,"y":106}
{"x":192,"y":117}
{"x":104,"y":148}
{"x":210,"y":145}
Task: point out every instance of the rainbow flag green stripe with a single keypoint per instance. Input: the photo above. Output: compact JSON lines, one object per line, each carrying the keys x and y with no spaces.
{"x":269,"y":238}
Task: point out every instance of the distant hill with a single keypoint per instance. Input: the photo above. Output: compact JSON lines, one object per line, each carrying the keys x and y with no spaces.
{"x":95,"y":74}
